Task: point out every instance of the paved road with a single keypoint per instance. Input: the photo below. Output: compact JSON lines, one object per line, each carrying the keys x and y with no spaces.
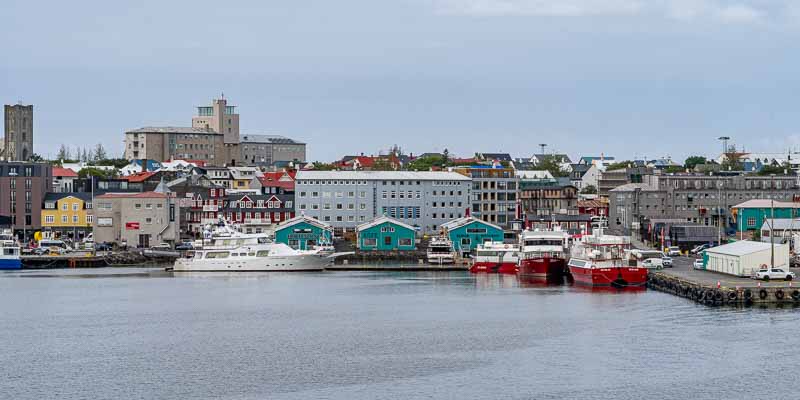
{"x":682,"y":268}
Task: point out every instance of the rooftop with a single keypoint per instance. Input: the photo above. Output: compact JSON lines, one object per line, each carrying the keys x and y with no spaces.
{"x":740,"y":248}
{"x":174,"y":129}
{"x":142,"y":195}
{"x":275,"y":139}
{"x":766,"y":203}
{"x":382,"y":219}
{"x":64,"y":172}
{"x":630,"y":187}
{"x":382,"y":175}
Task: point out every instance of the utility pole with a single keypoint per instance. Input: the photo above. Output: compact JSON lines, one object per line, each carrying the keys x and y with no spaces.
{"x":542,"y":145}
{"x":772,"y":221}
{"x":719,"y":214}
{"x":724,"y":140}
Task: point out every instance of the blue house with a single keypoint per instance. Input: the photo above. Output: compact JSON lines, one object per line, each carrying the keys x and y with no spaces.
{"x":468,"y":232}
{"x":303,"y":233}
{"x":386,"y":234}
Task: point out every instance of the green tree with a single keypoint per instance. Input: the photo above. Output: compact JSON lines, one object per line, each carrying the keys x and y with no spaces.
{"x":63,"y":153}
{"x":37,"y":158}
{"x":425,"y":163}
{"x":589,"y":189}
{"x":774,"y":169}
{"x":320,"y":166}
{"x":693,"y":161}
{"x":674,"y":169}
{"x":97,"y":173}
{"x":100,"y":152}
{"x":619,"y":165}
{"x":550,"y":163}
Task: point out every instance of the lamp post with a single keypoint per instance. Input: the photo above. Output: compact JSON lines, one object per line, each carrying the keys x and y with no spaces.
{"x":772,"y":221}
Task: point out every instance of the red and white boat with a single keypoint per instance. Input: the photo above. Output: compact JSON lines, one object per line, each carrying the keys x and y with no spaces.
{"x":600,"y":260}
{"x":495,"y":257}
{"x":544,"y":253}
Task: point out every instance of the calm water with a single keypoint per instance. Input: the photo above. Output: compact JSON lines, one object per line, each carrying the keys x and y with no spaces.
{"x":135,"y":333}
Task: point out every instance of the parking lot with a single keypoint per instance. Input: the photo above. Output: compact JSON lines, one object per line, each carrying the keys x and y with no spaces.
{"x":682,"y":268}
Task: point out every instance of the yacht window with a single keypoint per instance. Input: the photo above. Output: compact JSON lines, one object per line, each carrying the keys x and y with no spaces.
{"x":217,"y":254}
{"x":9,"y":252}
{"x":262,"y":253}
{"x":251,"y":254}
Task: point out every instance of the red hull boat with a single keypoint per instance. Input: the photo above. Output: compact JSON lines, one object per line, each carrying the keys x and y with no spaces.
{"x":613,"y":276}
{"x":542,"y":267}
{"x":493,"y":267}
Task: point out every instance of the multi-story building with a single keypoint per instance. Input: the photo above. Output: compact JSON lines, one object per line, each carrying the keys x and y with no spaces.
{"x":64,"y":180}
{"x":18,"y":139}
{"x":167,"y":143}
{"x":67,"y":215}
{"x":220,"y":118}
{"x":258,"y":213}
{"x":266,"y":150}
{"x":611,"y":179}
{"x":494,"y":193}
{"x":197,"y":207}
{"x":546,"y":197}
{"x":136,"y":219}
{"x":346,"y":199}
{"x":700,"y":199}
{"x":22,"y":189}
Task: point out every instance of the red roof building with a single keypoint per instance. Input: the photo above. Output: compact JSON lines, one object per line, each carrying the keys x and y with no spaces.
{"x":64,"y":172}
{"x":280,"y":181}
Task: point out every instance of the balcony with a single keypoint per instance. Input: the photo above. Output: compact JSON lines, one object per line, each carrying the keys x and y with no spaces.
{"x":210,"y":208}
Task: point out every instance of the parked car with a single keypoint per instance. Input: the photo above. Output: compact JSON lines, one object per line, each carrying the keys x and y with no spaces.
{"x":103,"y":247}
{"x":698,"y":264}
{"x":700,"y":248}
{"x":673,"y":251}
{"x":773,"y":273}
{"x":185,"y":246}
{"x":666,"y":261}
{"x":161,"y":246}
{"x":656,"y":263}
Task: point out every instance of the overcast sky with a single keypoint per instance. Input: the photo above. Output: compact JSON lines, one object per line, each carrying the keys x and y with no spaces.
{"x":621,"y":77}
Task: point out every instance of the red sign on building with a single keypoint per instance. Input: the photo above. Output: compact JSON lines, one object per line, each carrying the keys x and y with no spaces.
{"x":132,"y":226}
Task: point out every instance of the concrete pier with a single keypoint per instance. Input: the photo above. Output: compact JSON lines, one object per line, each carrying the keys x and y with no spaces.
{"x":716,"y":289}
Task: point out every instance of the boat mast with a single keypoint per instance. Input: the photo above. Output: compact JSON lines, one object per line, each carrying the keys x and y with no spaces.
{"x":772,"y":222}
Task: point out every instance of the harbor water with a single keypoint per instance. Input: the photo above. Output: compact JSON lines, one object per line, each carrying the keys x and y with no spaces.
{"x":145,"y":333}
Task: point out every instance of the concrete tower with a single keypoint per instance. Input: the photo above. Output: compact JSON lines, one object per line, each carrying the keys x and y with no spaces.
{"x":18,"y":140}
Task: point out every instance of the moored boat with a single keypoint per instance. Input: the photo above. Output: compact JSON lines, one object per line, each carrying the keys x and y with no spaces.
{"x":599,"y":260}
{"x":495,"y":257}
{"x":440,"y":251}
{"x":9,"y":252}
{"x":225,"y":249}
{"x":543,"y":253}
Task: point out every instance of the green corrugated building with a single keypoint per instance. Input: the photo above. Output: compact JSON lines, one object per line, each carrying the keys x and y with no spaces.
{"x":304,"y":232}
{"x":386,"y":234}
{"x":468,"y":232}
{"x":751,"y":214}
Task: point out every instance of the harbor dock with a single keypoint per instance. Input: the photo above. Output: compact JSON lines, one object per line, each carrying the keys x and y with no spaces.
{"x":97,"y":260}
{"x":716,"y":289}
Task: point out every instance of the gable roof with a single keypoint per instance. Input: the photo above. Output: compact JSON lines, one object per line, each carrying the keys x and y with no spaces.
{"x":383,"y":219}
{"x":463,"y":221}
{"x":64,"y":172}
{"x":279,"y":179}
{"x":766,"y":203}
{"x":139,"y":176}
{"x":137,"y":195}
{"x":496,"y":156}
{"x":85,"y":196}
{"x":304,"y":218}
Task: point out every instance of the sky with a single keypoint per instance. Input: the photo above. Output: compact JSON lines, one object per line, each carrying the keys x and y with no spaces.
{"x":625,"y":78}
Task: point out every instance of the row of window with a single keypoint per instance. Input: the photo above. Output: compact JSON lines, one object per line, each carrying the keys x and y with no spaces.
{"x":402,"y":212}
{"x":338,"y":195}
{"x":383,"y":183}
{"x":51,"y":219}
{"x":339,"y":206}
{"x":51,"y":205}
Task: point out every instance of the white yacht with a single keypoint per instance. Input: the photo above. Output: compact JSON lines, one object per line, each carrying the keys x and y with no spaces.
{"x":440,"y":251}
{"x":228,"y":250}
{"x":9,"y":251}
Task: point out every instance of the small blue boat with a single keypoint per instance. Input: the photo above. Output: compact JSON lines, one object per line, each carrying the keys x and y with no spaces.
{"x":9,"y":252}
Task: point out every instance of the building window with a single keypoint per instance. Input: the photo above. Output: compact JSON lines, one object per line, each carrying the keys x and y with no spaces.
{"x":74,"y":206}
{"x":49,"y":219}
{"x":74,"y":219}
{"x":751,"y":221}
{"x":63,"y":219}
{"x":138,"y":206}
{"x":89,"y":219}
{"x":370,"y":242}
{"x":405,"y":242}
{"x":64,"y":206}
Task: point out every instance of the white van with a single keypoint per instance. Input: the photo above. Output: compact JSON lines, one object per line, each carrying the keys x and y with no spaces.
{"x":673,"y":251}
{"x":656,"y":263}
{"x":46,"y":244}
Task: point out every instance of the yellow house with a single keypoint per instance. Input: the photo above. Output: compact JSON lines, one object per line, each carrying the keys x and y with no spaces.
{"x":243,"y":177}
{"x":67,"y":215}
